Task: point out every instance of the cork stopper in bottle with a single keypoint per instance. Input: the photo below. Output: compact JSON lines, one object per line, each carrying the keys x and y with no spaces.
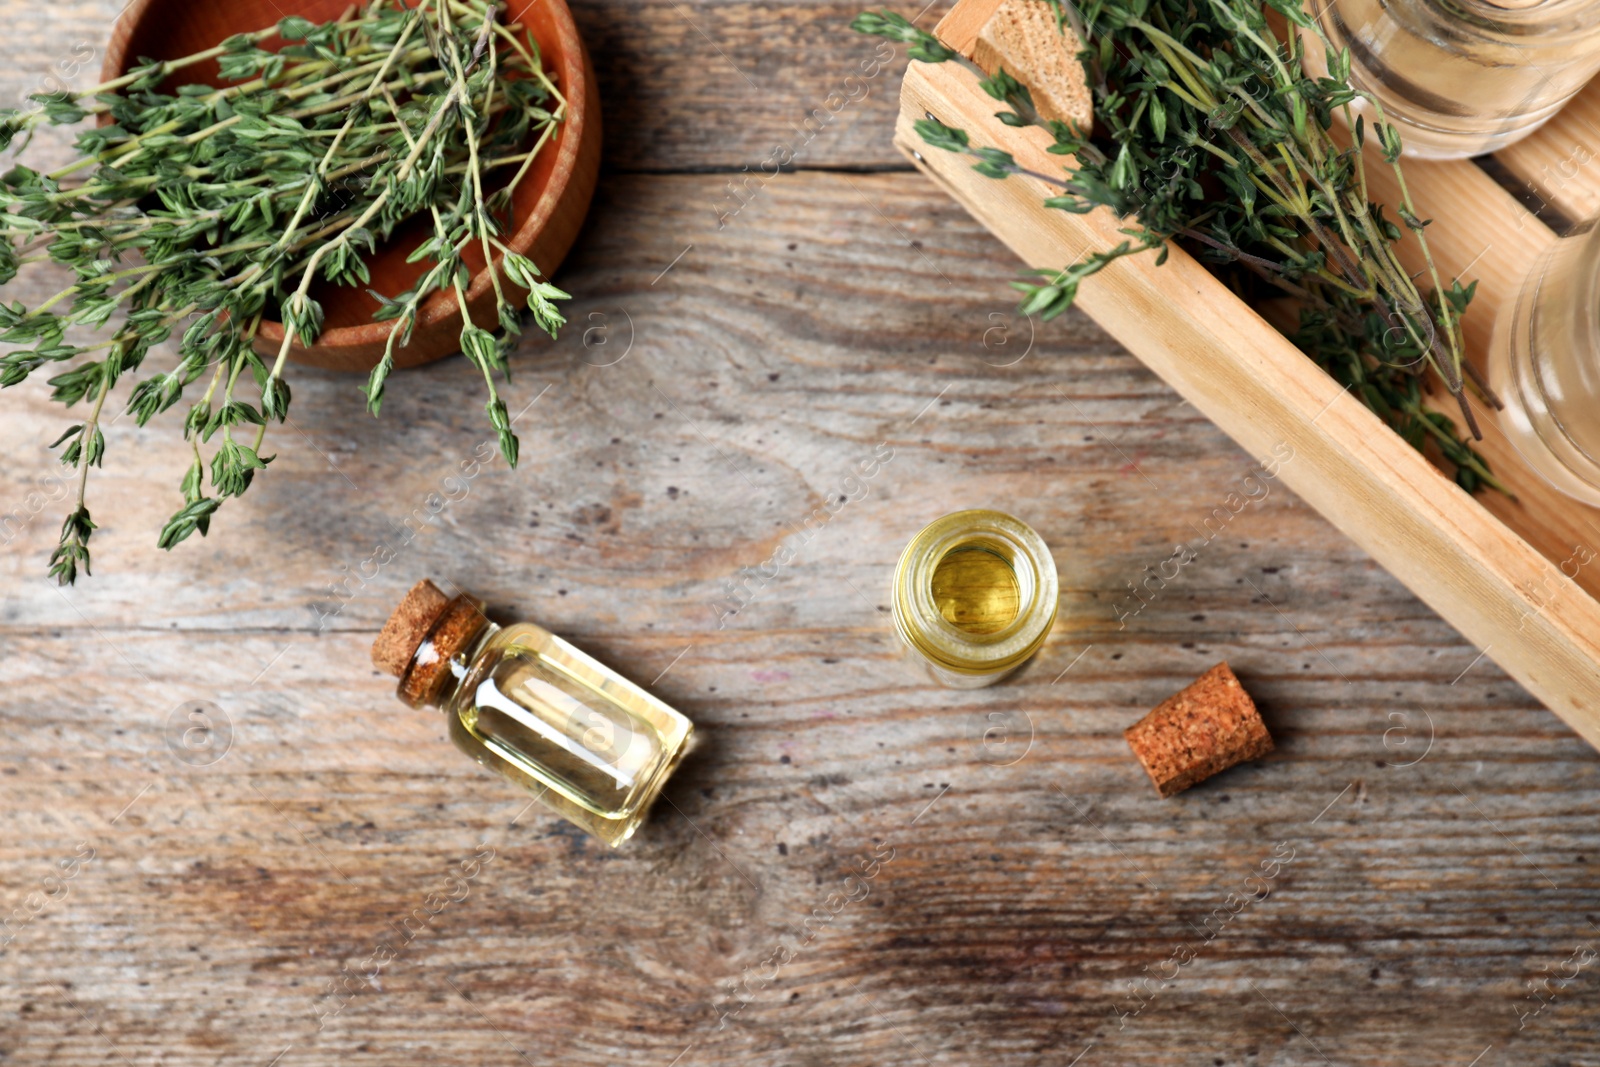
{"x":407,"y":627}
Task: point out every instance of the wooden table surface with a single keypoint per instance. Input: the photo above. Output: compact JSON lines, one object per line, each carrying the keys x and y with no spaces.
{"x":1436,"y":890}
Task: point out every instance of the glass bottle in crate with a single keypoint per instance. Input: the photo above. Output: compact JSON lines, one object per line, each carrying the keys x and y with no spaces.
{"x":1460,"y":78}
{"x":1544,"y":363}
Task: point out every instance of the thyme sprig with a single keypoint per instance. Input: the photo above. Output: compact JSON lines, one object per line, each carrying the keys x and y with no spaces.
{"x":205,"y":211}
{"x":1209,"y":132}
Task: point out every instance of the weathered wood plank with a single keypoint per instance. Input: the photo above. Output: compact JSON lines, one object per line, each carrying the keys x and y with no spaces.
{"x":1017,"y":908}
{"x":831,"y":313}
{"x":717,"y":85}
{"x":774,"y":441}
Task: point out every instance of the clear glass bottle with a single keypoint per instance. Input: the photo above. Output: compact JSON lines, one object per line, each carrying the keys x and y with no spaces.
{"x":594,"y":747}
{"x":974,"y":596}
{"x":1463,"y":77}
{"x":1544,"y":363}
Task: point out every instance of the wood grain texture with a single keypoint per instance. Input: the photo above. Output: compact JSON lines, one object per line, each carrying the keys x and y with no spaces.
{"x":833,"y":312}
{"x":715,"y":85}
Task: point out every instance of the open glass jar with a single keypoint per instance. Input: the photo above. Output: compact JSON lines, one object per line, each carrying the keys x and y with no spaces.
{"x":974,"y":596}
{"x":1544,"y":363}
{"x":1462,"y":77}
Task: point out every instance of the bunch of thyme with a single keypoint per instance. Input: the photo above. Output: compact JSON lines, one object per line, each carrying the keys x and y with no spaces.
{"x":1209,"y":132}
{"x":208,"y":210}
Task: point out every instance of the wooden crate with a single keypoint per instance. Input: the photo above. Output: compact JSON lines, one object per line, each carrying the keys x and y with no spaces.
{"x":1506,"y":573}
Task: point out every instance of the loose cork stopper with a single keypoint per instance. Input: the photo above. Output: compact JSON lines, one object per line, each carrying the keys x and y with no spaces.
{"x":407,"y":627}
{"x":1202,"y":730}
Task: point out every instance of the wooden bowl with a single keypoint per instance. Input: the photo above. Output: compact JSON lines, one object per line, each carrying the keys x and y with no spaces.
{"x":547,"y":209}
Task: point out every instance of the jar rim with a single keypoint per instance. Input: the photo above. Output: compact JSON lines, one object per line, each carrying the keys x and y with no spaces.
{"x":923,"y":626}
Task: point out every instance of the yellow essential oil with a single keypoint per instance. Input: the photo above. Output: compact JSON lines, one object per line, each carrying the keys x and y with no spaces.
{"x":976,"y":590}
{"x":592,"y":746}
{"x":974,"y":596}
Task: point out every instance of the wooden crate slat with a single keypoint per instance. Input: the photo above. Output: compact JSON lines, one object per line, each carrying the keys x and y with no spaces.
{"x":1501,"y":591}
{"x":1560,"y":161}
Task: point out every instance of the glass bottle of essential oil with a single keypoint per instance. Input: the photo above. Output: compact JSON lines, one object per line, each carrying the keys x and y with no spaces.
{"x":1463,"y":77}
{"x":594,"y":747}
{"x":974,"y":596}
{"x":1544,"y":363}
